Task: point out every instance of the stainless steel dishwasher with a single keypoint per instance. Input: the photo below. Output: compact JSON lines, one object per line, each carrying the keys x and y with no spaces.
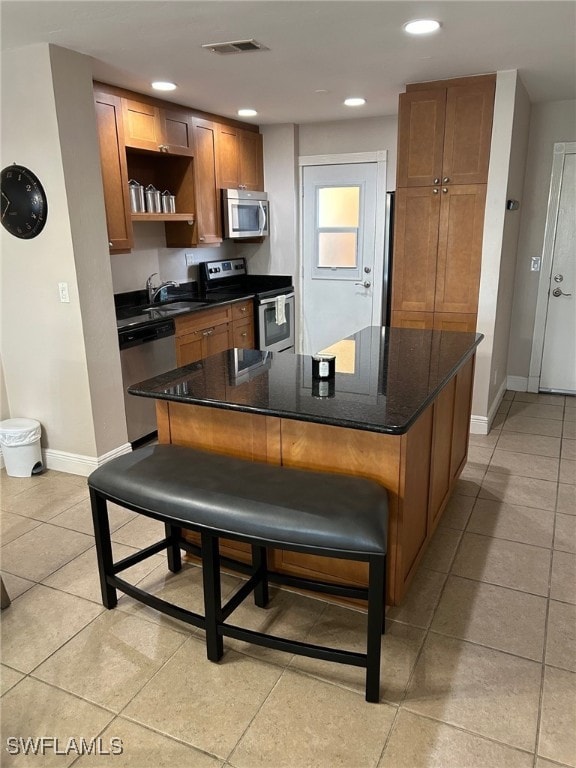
{"x":145,"y":352}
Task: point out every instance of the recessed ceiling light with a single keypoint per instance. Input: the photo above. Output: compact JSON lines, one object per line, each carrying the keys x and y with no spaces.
{"x":421,"y":26}
{"x":247,"y":112}
{"x":163,"y":85}
{"x":356,"y":101}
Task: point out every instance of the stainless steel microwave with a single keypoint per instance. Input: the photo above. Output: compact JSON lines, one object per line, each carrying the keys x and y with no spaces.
{"x":246,"y":213}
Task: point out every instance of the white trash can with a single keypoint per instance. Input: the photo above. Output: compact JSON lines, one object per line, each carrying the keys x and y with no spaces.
{"x":20,"y":442}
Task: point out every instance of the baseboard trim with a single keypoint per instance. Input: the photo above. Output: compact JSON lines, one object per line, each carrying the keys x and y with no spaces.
{"x":77,"y":464}
{"x":481,"y":425}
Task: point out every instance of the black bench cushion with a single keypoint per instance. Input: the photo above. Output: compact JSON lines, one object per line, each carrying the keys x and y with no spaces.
{"x":252,"y":499}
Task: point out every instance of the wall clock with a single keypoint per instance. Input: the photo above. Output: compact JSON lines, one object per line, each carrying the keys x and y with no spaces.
{"x":24,"y":203}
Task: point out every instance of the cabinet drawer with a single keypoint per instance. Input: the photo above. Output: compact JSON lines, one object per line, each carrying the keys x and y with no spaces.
{"x":243,"y":334}
{"x":454,"y":321}
{"x":242,"y":309}
{"x":421,"y":320}
{"x":199,"y":320}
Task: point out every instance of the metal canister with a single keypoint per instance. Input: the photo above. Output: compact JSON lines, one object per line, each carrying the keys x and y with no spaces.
{"x":168,"y":202}
{"x":136,"y":190}
{"x":153,"y":203}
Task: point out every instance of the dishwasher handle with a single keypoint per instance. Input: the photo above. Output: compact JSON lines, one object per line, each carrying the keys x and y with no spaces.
{"x":134,"y":337}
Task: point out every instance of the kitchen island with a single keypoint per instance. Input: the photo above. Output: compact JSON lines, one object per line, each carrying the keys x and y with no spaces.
{"x":397,"y":411}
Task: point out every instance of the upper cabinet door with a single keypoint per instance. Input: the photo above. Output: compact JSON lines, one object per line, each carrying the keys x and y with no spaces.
{"x":114,"y":171}
{"x":178,"y":133}
{"x":228,"y":165}
{"x":142,"y":125}
{"x":421,"y":137}
{"x":250,"y":160}
{"x":208,"y":226}
{"x":239,"y":159}
{"x":468,"y":132}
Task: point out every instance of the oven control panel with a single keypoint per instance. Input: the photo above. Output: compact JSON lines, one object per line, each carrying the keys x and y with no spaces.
{"x":218,"y":270}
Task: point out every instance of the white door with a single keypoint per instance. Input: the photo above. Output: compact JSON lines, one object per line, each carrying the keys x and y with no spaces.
{"x":558,"y":371}
{"x":340,"y":286}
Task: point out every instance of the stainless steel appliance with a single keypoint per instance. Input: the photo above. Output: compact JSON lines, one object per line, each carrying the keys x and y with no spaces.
{"x":273,"y":299}
{"x":246,"y":213}
{"x":145,"y":351}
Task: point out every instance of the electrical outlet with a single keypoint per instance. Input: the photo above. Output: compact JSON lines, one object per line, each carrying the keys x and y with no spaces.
{"x":191,"y":259}
{"x":63,"y":292}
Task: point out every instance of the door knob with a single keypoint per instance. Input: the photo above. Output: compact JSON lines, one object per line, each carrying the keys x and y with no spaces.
{"x":558,"y":292}
{"x":365,"y":284}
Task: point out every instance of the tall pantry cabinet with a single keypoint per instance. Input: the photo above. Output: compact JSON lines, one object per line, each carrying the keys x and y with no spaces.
{"x":444,"y":134}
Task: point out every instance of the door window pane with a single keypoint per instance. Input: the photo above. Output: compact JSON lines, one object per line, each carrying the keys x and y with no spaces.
{"x":337,"y":249}
{"x":338,"y":206}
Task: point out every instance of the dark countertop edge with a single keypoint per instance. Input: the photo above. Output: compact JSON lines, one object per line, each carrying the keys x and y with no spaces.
{"x":399,"y":429}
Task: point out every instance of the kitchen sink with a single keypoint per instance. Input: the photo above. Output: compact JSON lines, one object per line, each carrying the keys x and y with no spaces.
{"x":174,"y":308}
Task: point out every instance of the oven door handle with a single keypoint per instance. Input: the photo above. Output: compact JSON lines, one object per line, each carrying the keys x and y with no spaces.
{"x":273,"y":299}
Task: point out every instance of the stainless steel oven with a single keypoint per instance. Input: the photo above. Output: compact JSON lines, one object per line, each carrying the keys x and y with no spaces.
{"x":273,"y":299}
{"x":276,"y":322}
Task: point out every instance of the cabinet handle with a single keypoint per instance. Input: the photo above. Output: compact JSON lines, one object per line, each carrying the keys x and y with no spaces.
{"x":201,"y":239}
{"x":444,"y":189}
{"x":436,"y":181}
{"x":244,"y":334}
{"x":110,"y":244}
{"x":434,"y":191}
{"x":445,"y":180}
{"x":243,"y":309}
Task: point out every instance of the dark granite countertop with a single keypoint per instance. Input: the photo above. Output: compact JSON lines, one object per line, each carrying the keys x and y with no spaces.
{"x":385,"y":378}
{"x":133,"y":309}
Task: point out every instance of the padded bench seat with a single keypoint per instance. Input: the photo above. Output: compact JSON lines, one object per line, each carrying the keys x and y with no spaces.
{"x":262,"y":504}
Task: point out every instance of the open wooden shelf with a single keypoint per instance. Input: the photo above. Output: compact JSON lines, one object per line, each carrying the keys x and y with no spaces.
{"x":163,"y":217}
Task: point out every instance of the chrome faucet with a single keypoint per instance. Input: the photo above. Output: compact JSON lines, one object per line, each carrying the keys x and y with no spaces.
{"x":153,"y":291}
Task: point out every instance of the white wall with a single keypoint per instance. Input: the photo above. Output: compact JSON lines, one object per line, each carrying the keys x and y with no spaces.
{"x":150,"y":254}
{"x":550,"y":122}
{"x":368,"y":134}
{"x":508,"y":148}
{"x":49,"y":373}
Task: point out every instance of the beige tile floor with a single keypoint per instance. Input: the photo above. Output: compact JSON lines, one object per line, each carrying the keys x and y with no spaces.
{"x":479,"y":663}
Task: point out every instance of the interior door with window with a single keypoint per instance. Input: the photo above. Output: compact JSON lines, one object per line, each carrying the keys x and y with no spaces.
{"x":339,"y":240}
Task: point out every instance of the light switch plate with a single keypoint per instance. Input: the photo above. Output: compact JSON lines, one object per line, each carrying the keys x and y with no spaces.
{"x":535,"y":262}
{"x":63,"y":293}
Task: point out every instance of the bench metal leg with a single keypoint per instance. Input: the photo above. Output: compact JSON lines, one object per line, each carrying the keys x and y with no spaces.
{"x":260,"y":563}
{"x":376,"y":618}
{"x":103,"y":548}
{"x":173,"y":552}
{"x":212,"y":596}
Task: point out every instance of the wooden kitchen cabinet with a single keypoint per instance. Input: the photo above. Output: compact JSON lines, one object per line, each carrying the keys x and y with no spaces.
{"x":243,"y":332}
{"x":152,"y":128}
{"x":208,"y":230}
{"x":209,"y":331}
{"x":239,"y":159}
{"x":459,"y":248}
{"x":444,"y":132}
{"x":114,"y":170}
{"x":417,"y":216}
{"x":438,"y":249}
{"x":444,"y":138}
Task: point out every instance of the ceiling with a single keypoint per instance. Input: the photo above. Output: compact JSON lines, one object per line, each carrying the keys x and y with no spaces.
{"x":321,"y":51}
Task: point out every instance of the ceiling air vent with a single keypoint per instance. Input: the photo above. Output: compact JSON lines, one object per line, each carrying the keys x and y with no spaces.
{"x":236,"y":46}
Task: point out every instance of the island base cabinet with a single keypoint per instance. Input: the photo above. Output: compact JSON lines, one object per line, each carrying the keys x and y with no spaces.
{"x":419,"y":469}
